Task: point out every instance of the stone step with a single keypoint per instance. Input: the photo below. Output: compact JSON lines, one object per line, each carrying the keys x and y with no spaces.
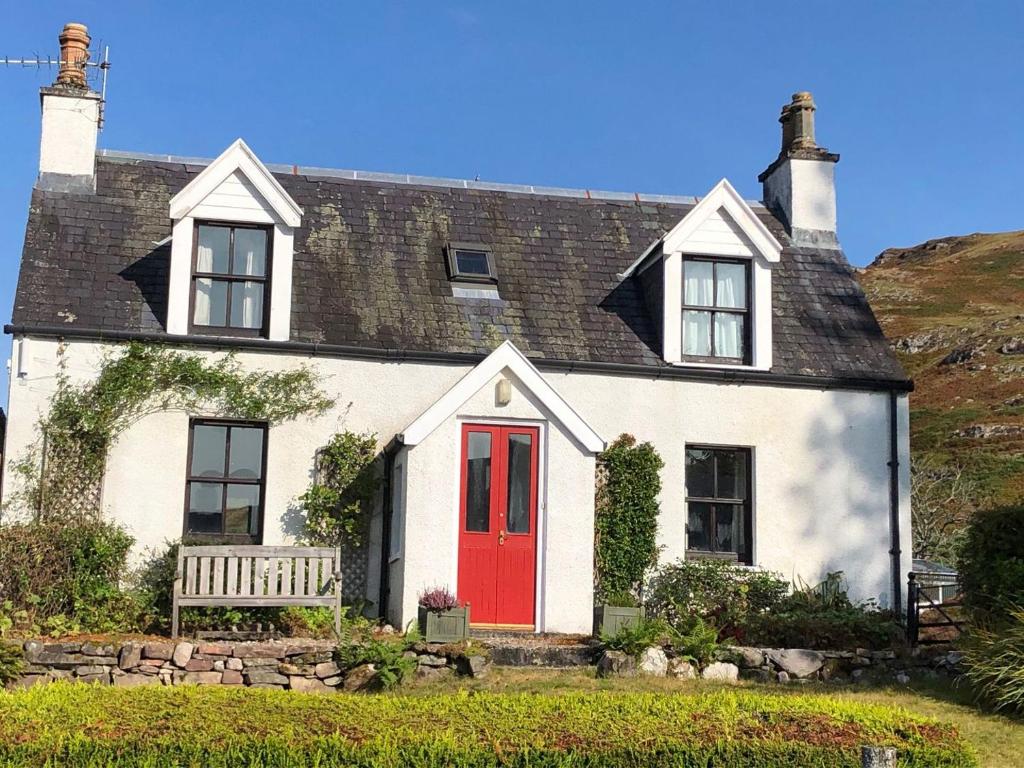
{"x":527,"y":649}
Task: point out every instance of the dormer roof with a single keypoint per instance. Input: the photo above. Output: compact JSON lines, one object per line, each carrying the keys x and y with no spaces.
{"x":237,"y":159}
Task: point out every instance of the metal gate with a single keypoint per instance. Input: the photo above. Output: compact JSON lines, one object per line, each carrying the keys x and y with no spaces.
{"x":933,"y":605}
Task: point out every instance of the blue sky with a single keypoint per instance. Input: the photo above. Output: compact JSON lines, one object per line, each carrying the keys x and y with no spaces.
{"x":923,"y":100}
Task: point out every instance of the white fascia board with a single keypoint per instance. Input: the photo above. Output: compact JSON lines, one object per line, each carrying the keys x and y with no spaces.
{"x":723,"y":195}
{"x":635,"y":267}
{"x":505,"y":356}
{"x":237,"y":157}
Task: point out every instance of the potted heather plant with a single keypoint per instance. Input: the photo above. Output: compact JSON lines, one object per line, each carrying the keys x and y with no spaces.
{"x":442,"y":619}
{"x":618,"y":611}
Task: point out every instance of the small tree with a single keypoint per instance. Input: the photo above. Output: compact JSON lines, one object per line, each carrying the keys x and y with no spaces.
{"x":337,"y":504}
{"x":943,"y":499}
{"x":626,"y":520}
{"x":991,"y":564}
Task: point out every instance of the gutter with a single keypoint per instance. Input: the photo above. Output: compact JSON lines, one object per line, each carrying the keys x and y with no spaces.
{"x":895,"y":551}
{"x":316,"y":349}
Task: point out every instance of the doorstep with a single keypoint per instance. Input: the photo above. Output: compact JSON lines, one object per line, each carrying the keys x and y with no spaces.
{"x":528,"y":649}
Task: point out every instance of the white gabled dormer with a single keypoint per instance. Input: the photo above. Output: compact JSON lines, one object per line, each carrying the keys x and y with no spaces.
{"x":709,"y":282}
{"x":231,"y":251}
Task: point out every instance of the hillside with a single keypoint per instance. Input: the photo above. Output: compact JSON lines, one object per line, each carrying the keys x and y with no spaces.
{"x":954,"y":311}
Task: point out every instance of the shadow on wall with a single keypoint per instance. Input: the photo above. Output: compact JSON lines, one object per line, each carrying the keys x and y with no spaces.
{"x":151,"y":275}
{"x":847,"y":469}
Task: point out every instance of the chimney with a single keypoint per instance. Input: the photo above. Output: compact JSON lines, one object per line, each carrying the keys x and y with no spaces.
{"x":799,"y":186}
{"x":71,"y":113}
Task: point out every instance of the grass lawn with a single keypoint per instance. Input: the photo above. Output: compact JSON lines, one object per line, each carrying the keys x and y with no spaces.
{"x":997,"y":739}
{"x":512,"y":718}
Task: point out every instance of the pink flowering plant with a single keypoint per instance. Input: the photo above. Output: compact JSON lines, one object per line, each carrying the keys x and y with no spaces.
{"x":438,"y":599}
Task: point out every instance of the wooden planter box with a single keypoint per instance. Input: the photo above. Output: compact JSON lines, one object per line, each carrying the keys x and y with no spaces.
{"x":609,"y":619}
{"x":450,"y":626}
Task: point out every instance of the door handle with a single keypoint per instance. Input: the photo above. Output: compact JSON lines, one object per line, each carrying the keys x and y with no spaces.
{"x":501,"y":537}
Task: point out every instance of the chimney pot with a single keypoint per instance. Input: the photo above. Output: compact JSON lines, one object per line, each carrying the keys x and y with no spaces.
{"x":799,"y":186}
{"x":74,"y":52}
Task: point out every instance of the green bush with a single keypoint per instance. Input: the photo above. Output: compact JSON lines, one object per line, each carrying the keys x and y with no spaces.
{"x":994,"y":662}
{"x":991,"y":564}
{"x":12,"y":661}
{"x":626,"y":517}
{"x":714,"y":591}
{"x":822,"y":616}
{"x":633,"y":639}
{"x":699,"y":644}
{"x":387,"y":656}
{"x":160,"y":727}
{"x":65,"y":576}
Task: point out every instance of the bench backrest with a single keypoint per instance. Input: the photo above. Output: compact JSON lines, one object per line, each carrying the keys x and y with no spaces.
{"x":257,"y":575}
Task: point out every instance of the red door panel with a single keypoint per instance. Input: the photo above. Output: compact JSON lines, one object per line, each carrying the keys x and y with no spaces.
{"x":498,"y":522}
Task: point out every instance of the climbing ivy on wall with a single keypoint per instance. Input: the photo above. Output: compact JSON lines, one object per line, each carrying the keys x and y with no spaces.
{"x":338,"y":502}
{"x":626,"y":519}
{"x":62,"y":471}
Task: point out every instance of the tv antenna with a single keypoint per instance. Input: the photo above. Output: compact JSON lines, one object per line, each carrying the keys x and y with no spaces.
{"x":93,"y":70}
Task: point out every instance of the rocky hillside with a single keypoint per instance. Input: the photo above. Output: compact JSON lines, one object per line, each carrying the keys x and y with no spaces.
{"x":954,"y":311}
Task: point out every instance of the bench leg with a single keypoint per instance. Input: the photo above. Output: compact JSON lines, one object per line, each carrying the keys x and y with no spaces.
{"x":174,"y":619}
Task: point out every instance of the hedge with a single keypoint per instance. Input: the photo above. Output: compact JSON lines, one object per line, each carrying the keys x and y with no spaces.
{"x":157,"y":727}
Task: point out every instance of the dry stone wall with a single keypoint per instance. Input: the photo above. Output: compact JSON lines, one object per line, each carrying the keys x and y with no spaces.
{"x":298,"y":665}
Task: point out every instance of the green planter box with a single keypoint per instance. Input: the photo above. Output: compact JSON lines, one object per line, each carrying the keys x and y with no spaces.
{"x":609,"y":619}
{"x":444,"y":627}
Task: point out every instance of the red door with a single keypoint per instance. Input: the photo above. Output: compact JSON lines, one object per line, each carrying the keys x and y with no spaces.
{"x":498,"y":524}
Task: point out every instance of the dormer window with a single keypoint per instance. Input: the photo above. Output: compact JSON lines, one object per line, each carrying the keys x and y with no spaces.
{"x":471,"y":263}
{"x":231,"y":264}
{"x":716,"y":309}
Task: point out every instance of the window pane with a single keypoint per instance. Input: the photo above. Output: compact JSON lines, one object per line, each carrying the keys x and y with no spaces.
{"x":698,"y":283}
{"x":732,"y":474}
{"x":212,"y":255}
{"x":472,"y":262}
{"x":728,"y":335}
{"x":211,"y":302}
{"x":698,"y":526}
{"x":520,"y":460}
{"x":700,"y":473}
{"x":732,"y":285}
{"x":696,"y":333}
{"x":208,"y":443}
{"x":242,"y":513}
{"x":246,"y":459}
{"x":478,"y":482}
{"x":204,"y":507}
{"x":247,"y":305}
{"x":730,"y":528}
{"x":250,"y":252}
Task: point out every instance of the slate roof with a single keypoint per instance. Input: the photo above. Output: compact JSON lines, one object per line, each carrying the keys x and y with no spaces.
{"x":369,"y":271}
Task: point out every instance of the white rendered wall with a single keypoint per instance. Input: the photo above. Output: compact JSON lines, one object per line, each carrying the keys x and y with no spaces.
{"x":806,"y":191}
{"x":68,"y":142}
{"x":820,"y":463}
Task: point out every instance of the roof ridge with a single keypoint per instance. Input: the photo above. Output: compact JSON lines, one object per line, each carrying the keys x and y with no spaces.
{"x":428,"y":181}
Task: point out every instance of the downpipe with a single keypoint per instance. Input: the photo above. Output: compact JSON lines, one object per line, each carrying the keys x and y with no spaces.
{"x":895,"y":552}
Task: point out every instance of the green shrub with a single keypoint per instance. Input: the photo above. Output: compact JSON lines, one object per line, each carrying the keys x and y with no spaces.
{"x":337,"y":504}
{"x":626,"y":517}
{"x":387,"y":656}
{"x":714,"y":591}
{"x":12,"y":661}
{"x":65,"y":576}
{"x":160,"y":727}
{"x":699,"y":644}
{"x":633,"y":639}
{"x":822,"y":616}
{"x":994,"y":662}
{"x":991,"y":564}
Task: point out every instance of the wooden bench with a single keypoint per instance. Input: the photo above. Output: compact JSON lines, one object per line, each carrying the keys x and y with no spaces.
{"x":257,"y":577}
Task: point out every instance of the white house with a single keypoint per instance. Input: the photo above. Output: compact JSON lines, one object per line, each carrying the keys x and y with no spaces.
{"x":495,"y":338}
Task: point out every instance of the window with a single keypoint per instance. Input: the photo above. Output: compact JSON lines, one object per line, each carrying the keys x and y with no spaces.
{"x":471,"y":263}
{"x":716,"y":310}
{"x":224,"y":489}
{"x":718,"y":503}
{"x":229,"y":279}
{"x":397,"y":499}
